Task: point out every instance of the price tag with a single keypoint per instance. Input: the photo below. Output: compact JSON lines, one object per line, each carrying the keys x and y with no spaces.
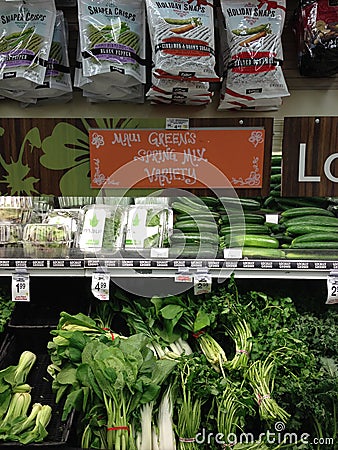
{"x":177,"y":123}
{"x":159,"y":252}
{"x":332,"y":290}
{"x":202,"y":283}
{"x":272,"y":218}
{"x":100,"y":285}
{"x":183,"y":276}
{"x":20,"y":287}
{"x":232,"y":253}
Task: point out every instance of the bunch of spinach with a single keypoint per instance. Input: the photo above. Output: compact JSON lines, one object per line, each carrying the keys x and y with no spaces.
{"x":106,"y":378}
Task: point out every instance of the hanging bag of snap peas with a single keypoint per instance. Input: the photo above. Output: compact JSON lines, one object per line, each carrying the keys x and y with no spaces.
{"x":26,"y":31}
{"x":253,"y":63}
{"x":112,"y":40}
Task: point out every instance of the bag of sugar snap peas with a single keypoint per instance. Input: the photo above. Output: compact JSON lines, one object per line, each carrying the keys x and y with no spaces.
{"x":112,"y":40}
{"x":26,"y":30}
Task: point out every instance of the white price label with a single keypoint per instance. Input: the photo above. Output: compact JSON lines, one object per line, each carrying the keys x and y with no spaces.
{"x":202,"y":283}
{"x":20,"y":287}
{"x":232,"y":253}
{"x":332,"y":290}
{"x":272,"y":218}
{"x":159,"y":252}
{"x":100,"y":285}
{"x":177,"y":123}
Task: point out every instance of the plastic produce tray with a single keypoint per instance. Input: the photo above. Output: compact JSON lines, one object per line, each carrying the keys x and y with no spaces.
{"x":39,"y":380}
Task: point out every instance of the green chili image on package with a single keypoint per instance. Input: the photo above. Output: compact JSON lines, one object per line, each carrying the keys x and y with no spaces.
{"x":26,"y":30}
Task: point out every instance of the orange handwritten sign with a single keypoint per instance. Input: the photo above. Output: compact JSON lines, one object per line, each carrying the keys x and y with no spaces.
{"x":194,"y":158}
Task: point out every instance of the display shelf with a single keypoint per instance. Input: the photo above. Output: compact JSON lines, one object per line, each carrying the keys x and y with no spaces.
{"x":167,"y":268}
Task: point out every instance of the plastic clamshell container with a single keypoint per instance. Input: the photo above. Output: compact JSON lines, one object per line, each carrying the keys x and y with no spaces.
{"x":148,"y":226}
{"x":15,"y":209}
{"x":46,"y":240}
{"x":75,"y":202}
{"x":10,"y":239}
{"x":72,"y":218}
{"x":102,"y":228}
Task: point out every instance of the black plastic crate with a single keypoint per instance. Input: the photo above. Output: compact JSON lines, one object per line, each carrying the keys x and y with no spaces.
{"x":49,"y":297}
{"x":40,"y":381}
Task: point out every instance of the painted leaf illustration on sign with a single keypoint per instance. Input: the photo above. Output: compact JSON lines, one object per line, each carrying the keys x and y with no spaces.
{"x":94,"y":221}
{"x":67,"y":148}
{"x":16,"y":178}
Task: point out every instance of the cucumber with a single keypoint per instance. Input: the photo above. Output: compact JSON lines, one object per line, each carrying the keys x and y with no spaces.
{"x":306,"y":211}
{"x":193,"y":204}
{"x":275,"y":193}
{"x":192,"y":251}
{"x":276,"y":160}
{"x":316,"y":245}
{"x":246,"y":203}
{"x":260,"y":252}
{"x":305,"y":229}
{"x":315,"y":220}
{"x":270,"y":202}
{"x":255,"y":240}
{"x":184,"y":208}
{"x":194,"y":238}
{"x":246,"y":218}
{"x":210,"y":216}
{"x":197,"y":227}
{"x":275,"y":170}
{"x":248,"y":229}
{"x":212,"y":202}
{"x":276,"y":178}
{"x":317,"y":237}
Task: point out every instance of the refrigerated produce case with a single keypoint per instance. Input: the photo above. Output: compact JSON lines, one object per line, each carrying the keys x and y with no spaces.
{"x":61,"y":282}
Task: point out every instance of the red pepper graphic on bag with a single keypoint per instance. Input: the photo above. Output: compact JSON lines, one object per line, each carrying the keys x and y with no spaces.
{"x":201,"y":3}
{"x":270,"y":4}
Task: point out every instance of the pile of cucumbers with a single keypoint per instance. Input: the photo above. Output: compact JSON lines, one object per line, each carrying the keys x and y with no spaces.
{"x":205,"y":226}
{"x":247,"y":230}
{"x":310,"y":228}
{"x":195,"y":231}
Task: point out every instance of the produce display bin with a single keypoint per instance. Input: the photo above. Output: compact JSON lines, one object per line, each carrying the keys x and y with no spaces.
{"x":39,"y":380}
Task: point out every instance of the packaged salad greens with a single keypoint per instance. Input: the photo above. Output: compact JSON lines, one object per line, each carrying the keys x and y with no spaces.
{"x":46,"y":240}
{"x":148,"y":226}
{"x":102,"y":228}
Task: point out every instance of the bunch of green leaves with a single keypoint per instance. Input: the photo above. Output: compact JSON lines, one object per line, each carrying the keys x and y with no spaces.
{"x":106,"y":378}
{"x":22,"y":427}
{"x":298,"y":341}
{"x":191,"y":380}
{"x":13,"y":380}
